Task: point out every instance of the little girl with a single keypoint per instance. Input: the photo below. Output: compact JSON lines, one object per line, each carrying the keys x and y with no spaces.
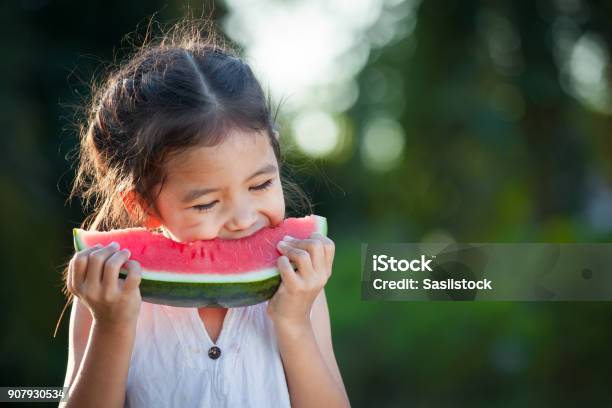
{"x":180,"y":139}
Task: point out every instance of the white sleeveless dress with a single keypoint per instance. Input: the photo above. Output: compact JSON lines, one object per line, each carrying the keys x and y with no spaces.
{"x":174,"y":362}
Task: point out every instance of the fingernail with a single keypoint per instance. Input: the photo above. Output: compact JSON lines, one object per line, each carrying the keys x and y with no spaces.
{"x":114,"y":245}
{"x":127,"y":251}
{"x":288,"y":238}
{"x":281,"y":245}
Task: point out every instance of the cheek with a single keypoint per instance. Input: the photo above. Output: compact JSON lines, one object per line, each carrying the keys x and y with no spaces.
{"x":197,"y":225}
{"x":193,"y":227}
{"x":186,"y":224}
{"x":274,"y":205}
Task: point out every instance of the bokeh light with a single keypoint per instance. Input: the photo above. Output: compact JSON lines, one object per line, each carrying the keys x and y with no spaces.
{"x":316,"y":133}
{"x":383,"y":144}
{"x":309,"y":52}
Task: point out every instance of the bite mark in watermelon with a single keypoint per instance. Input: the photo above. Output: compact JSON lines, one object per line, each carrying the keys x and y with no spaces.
{"x":211,"y":273}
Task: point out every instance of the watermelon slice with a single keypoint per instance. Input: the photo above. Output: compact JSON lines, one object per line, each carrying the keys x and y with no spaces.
{"x":212,"y":273}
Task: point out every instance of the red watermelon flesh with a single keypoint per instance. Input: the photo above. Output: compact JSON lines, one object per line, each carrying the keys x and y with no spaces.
{"x":206,"y":272}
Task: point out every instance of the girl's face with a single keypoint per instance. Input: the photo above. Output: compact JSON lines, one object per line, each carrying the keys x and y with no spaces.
{"x":226,"y":191}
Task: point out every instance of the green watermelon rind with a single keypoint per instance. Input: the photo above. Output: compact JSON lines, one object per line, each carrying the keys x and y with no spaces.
{"x":193,"y":293}
{"x":213,"y":294}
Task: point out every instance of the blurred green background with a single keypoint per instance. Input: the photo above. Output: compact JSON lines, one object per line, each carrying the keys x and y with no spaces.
{"x":473,"y":121}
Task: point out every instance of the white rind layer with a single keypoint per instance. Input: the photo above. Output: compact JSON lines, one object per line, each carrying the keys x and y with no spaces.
{"x":321,"y":224}
{"x":254,"y":276}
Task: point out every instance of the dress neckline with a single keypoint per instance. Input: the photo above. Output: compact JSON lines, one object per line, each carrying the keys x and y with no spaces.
{"x":225,"y":326}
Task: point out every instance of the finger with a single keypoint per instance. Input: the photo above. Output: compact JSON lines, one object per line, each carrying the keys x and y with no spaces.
{"x":78,"y":268}
{"x":288,"y":276}
{"x":329,"y":247}
{"x":111,"y":269}
{"x":134,"y":276}
{"x":315,"y":249}
{"x":300,"y":257}
{"x":96,"y":263}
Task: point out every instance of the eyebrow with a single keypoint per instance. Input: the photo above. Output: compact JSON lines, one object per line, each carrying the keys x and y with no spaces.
{"x":198,"y":192}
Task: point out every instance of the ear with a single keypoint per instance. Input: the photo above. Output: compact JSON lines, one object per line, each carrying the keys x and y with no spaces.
{"x":276,"y":134}
{"x":134,"y":204}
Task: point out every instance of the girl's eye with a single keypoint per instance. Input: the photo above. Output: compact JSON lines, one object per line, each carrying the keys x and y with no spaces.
{"x":205,"y":207}
{"x":263,"y":186}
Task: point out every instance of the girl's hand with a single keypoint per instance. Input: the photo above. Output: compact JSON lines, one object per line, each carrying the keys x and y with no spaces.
{"x":93,"y":276}
{"x":292,"y":302}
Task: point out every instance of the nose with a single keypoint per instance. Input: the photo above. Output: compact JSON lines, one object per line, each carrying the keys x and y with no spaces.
{"x":242,"y":218}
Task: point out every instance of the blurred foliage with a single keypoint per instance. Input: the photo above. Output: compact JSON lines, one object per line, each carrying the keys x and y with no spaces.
{"x":493,"y":153}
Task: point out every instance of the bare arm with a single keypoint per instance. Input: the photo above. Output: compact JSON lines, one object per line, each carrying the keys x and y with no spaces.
{"x":102,"y":327}
{"x":312,"y":373}
{"x":78,"y":335}
{"x":97,"y":364}
{"x":321,"y":326}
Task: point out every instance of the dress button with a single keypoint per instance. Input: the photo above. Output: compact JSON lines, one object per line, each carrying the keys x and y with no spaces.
{"x":214,"y":352}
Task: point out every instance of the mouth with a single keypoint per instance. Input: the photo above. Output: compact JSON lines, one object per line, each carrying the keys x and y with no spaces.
{"x":248,"y":233}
